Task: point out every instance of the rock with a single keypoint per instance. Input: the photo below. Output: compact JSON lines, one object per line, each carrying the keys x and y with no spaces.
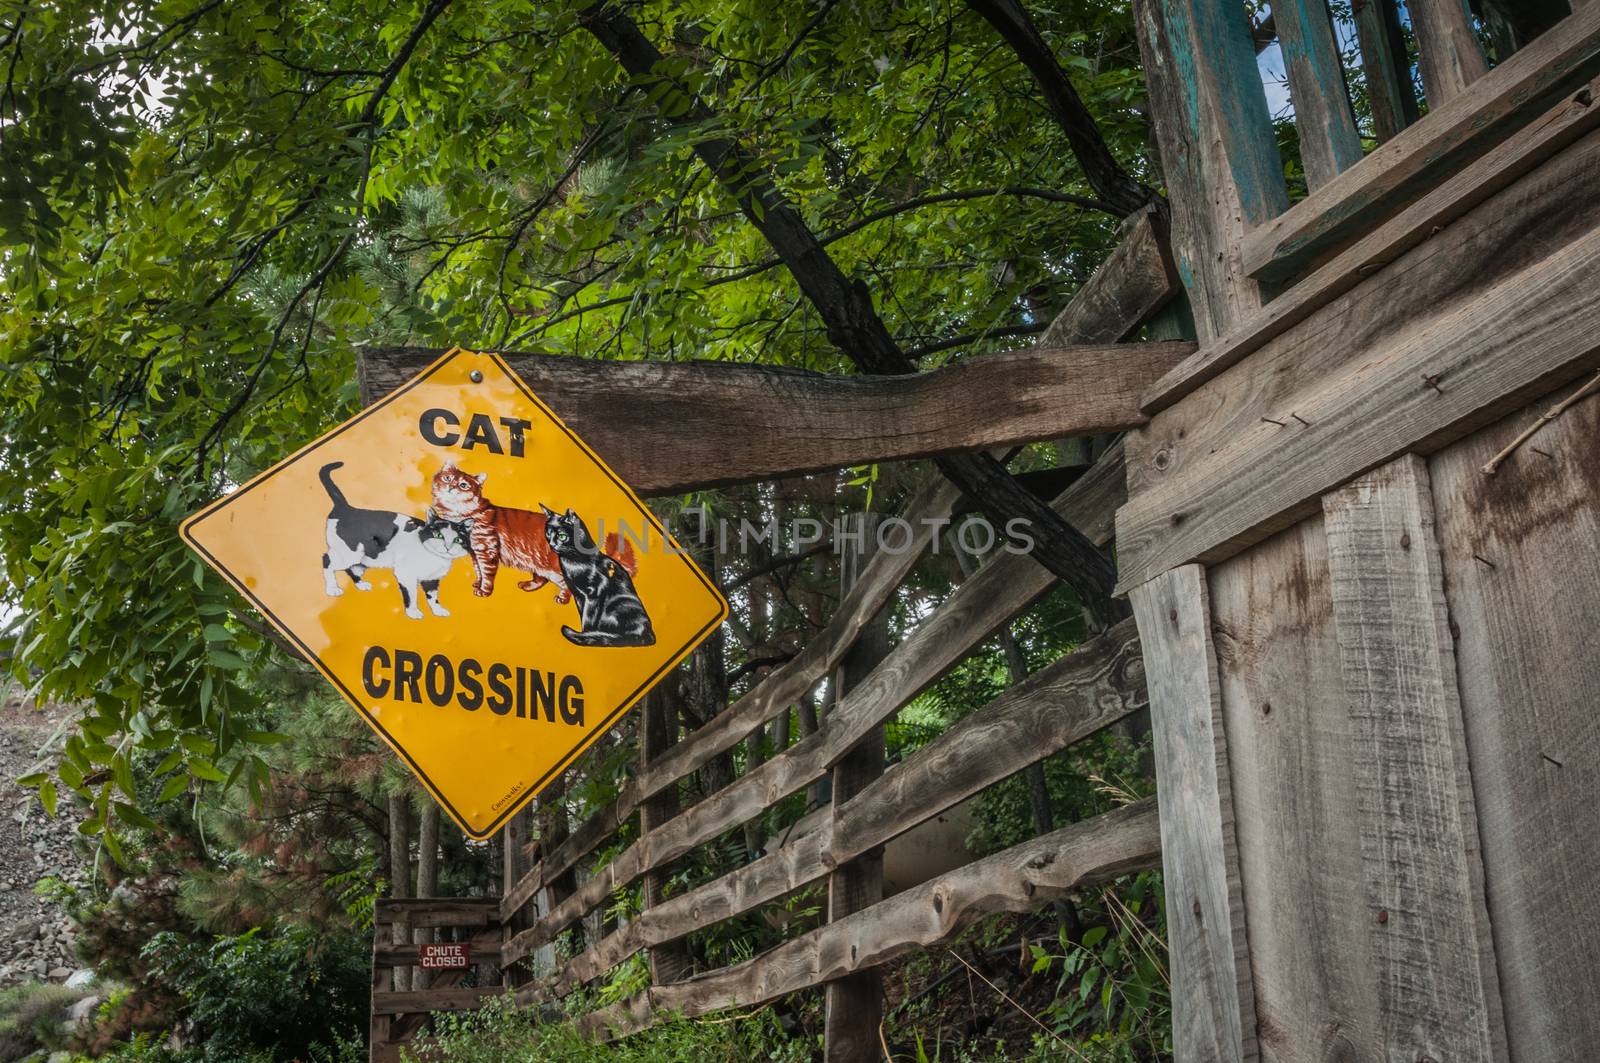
{"x":40,"y":968}
{"x":84,"y":1009}
{"x":58,"y":972}
{"x":82,"y":978}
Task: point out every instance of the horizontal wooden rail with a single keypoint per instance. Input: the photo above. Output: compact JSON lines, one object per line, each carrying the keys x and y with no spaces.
{"x":1137,"y":279}
{"x":438,"y":911}
{"x":1558,"y":129}
{"x":425,"y":1000}
{"x":1492,"y":108}
{"x":1090,"y":688}
{"x":668,"y":427}
{"x":774,"y":694}
{"x":1449,"y":369}
{"x":1006,"y":584}
{"x":1020,"y":879}
{"x":406,"y":955}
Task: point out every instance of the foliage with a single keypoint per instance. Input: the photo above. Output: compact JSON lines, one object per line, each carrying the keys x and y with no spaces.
{"x":30,"y":1018}
{"x":502,"y":1033}
{"x":286,"y":993}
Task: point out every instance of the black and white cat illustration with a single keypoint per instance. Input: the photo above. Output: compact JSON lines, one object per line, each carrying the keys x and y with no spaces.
{"x":601,"y":583}
{"x":419,"y":552}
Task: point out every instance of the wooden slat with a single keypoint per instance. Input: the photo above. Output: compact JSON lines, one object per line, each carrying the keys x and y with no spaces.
{"x":669,"y":427}
{"x":428,"y":1000}
{"x":1213,"y":1001}
{"x":1135,"y":281}
{"x":779,"y":689}
{"x":1384,"y":64}
{"x":658,"y":732}
{"x":1003,"y":587}
{"x":1020,"y":879}
{"x":438,"y":911}
{"x":1511,"y":327}
{"x":1438,"y":992}
{"x":1329,"y":142}
{"x":1521,"y":552}
{"x":1497,"y":106}
{"x":1555,"y":131}
{"x":1218,"y":151}
{"x":1447,"y":48}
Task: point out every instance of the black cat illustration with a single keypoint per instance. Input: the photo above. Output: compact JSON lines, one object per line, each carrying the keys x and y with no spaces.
{"x":601,"y":582}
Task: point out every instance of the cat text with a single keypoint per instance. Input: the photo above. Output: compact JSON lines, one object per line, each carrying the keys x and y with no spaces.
{"x":442,"y":428}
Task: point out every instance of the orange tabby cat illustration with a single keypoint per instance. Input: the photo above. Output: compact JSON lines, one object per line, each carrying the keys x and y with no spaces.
{"x":498,"y":534}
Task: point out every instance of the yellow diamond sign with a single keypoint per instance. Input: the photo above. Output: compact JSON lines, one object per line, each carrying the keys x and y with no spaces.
{"x":470,"y":576}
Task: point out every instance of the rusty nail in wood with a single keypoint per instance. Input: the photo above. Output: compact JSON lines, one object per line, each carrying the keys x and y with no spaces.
{"x":476,"y":376}
{"x":1542,"y":453}
{"x":1196,"y":907}
{"x":1302,"y":420}
{"x":1405,"y":541}
{"x":1383,"y":916}
{"x":1552,"y":760}
{"x":1584,"y":97}
{"x":1271,"y":421}
{"x":1172,"y":615}
{"x":1432,"y":381}
{"x":1484,"y":560}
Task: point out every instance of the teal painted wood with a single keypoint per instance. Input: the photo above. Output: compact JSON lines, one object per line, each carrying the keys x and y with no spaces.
{"x":1329,"y":142}
{"x":1390,"y":94}
{"x":1224,"y":173}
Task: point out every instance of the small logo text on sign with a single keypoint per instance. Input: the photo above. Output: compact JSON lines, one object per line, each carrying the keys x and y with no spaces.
{"x":444,"y":957}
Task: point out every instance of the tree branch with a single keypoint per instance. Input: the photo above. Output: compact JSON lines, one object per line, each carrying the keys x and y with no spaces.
{"x":1106,"y":176}
{"x":846,"y":308}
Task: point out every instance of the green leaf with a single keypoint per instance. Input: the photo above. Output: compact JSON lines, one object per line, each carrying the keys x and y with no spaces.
{"x":174,"y":786}
{"x":134,"y":818}
{"x":201,"y":768}
{"x":1093,"y":936}
{"x":47,"y":797}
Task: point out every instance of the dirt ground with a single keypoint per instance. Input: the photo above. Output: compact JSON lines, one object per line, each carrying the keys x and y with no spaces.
{"x":35,"y":935}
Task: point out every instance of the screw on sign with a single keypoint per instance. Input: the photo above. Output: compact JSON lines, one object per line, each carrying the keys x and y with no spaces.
{"x":470,"y":576}
{"x":449,"y":957}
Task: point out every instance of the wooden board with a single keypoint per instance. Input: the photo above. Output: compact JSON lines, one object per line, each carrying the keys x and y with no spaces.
{"x":1213,"y":1004}
{"x":1329,"y":143}
{"x":1129,"y":286}
{"x":1295,"y":822}
{"x":1452,"y":134}
{"x":453,"y":999}
{"x":1422,"y":875}
{"x":1218,"y":152}
{"x":1020,"y":879}
{"x":1423,"y":220}
{"x":1447,"y":48}
{"x":1505,"y":308}
{"x":1390,"y":97}
{"x":670,"y":427}
{"x":1527,"y":614}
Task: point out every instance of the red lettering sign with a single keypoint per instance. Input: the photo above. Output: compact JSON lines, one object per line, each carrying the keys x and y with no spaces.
{"x":443,"y":957}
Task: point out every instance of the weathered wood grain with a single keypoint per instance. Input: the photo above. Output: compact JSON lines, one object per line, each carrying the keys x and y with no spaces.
{"x":1253,"y":450}
{"x":1423,"y":220}
{"x":457,"y":998}
{"x":1003,"y":587}
{"x":1136,"y":280}
{"x":1390,"y":96}
{"x":1329,"y":142}
{"x":669,"y":427}
{"x":1020,"y":879}
{"x":1213,"y":1002}
{"x":1090,"y":688}
{"x":437,"y":911}
{"x":1521,"y":555}
{"x":1218,"y":152}
{"x":395,"y":954}
{"x":1495,"y":107}
{"x":1447,"y":49}
{"x":1295,"y":822}
{"x":658,"y":732}
{"x":1438,"y":992}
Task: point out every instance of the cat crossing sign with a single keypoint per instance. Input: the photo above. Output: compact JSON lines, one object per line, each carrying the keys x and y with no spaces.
{"x":471,"y":577}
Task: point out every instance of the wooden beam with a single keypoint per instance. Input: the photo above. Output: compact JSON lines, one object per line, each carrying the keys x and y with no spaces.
{"x":1135,"y":281}
{"x":457,"y":998}
{"x":1438,"y":990}
{"x":1411,"y":371}
{"x":1385,"y":66}
{"x":1007,"y":584}
{"x":1447,"y":49}
{"x":670,"y":427}
{"x":1213,"y":1001}
{"x":1495,"y":107}
{"x":1218,"y":151}
{"x":658,"y":732}
{"x":1020,"y":879}
{"x":1329,"y":143}
{"x":438,"y":911}
{"x":1555,"y":131}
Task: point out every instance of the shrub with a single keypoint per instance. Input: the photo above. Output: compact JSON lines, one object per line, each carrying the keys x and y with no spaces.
{"x":31,"y":1017}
